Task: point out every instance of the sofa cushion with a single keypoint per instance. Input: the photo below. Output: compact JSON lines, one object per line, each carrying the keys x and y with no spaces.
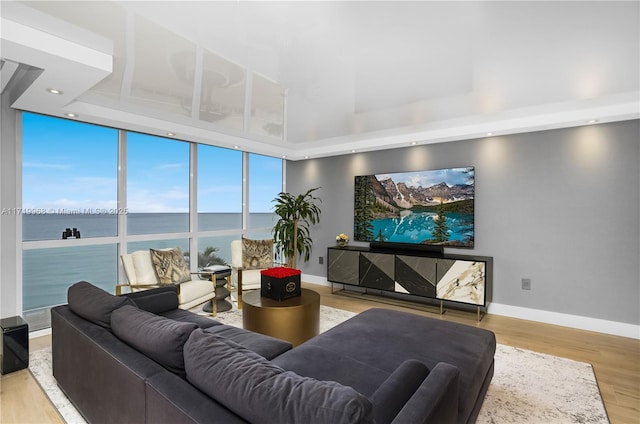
{"x":312,"y":360}
{"x":265,"y":346}
{"x":468,"y":348}
{"x":94,"y":304}
{"x":170,"y":265}
{"x":396,"y":391}
{"x":255,"y":388}
{"x":161,"y":339}
{"x":257,"y":254}
{"x":202,"y":321}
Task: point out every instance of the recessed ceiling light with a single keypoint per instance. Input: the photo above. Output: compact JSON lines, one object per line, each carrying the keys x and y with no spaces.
{"x":71,"y":115}
{"x":236,"y":147}
{"x":284,"y":156}
{"x":353,"y":151}
{"x":306,"y":157}
{"x":592,"y":121}
{"x":489,"y":133}
{"x":54,"y":91}
{"x":413,"y":143}
{"x":170,"y":134}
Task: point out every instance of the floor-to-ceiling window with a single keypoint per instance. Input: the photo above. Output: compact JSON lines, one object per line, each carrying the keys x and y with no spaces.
{"x":69,"y":216}
{"x":265,"y":182}
{"x":78,"y":214}
{"x":219,"y":203}
{"x":157,"y":185}
{"x":157,"y":195}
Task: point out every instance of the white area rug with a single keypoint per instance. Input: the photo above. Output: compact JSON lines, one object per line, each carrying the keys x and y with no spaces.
{"x":527,"y":387}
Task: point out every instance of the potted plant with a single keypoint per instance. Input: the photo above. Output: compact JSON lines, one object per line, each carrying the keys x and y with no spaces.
{"x":291,"y":233}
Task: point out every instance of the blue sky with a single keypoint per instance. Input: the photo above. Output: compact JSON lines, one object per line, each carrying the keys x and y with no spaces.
{"x":73,"y":165}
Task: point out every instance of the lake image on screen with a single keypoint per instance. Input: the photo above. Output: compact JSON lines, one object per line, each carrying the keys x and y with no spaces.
{"x":424,"y":207}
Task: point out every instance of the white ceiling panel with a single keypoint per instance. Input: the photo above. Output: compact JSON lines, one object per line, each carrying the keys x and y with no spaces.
{"x":322,"y":78}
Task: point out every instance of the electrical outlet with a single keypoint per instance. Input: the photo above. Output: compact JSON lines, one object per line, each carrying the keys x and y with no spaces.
{"x":321,"y":260}
{"x":526,"y":284}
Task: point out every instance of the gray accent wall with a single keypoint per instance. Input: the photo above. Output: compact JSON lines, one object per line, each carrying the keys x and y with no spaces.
{"x":560,"y":207}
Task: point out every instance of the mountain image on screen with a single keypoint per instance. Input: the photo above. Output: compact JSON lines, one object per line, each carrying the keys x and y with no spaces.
{"x":424,"y":207}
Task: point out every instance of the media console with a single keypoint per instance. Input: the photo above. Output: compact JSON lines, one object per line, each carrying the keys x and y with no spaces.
{"x":464,"y":279}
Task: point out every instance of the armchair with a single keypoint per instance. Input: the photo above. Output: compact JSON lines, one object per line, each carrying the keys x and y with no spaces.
{"x":141,"y":275}
{"x":246,"y":266}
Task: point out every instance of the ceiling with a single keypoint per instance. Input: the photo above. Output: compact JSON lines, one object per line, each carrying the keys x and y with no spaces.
{"x":313,"y":79}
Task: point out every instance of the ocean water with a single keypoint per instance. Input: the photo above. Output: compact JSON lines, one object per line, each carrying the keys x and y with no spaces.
{"x":47,"y":273}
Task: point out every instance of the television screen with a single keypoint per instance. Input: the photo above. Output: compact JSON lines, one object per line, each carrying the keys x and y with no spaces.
{"x":425,"y":207}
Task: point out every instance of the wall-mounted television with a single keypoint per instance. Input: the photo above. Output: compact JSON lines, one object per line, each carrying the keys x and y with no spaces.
{"x":433,"y":207}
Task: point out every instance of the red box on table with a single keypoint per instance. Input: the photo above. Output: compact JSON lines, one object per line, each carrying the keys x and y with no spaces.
{"x":280,"y":283}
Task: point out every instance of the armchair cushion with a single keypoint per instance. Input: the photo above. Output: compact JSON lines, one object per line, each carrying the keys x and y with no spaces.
{"x":255,"y":388}
{"x":161,"y":339}
{"x":170,"y":266}
{"x":144,"y":271}
{"x":94,"y":304}
{"x":257,"y":254}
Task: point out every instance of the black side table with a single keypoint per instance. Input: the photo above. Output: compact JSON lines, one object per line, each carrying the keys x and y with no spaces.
{"x":219,"y":275}
{"x":15,"y":344}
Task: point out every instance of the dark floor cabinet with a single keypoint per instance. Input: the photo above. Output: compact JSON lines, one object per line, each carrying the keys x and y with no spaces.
{"x":15,"y":345}
{"x":457,"y":278}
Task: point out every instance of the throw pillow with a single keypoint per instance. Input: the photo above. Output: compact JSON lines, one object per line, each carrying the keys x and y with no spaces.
{"x":257,"y":254}
{"x":94,"y":304}
{"x":161,"y":339}
{"x":255,"y":388}
{"x":170,"y":266}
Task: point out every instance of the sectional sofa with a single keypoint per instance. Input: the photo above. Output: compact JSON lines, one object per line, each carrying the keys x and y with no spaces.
{"x":138,"y":358}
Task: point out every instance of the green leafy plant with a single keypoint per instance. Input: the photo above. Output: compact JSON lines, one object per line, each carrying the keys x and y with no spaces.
{"x":291,"y":233}
{"x":208,"y":257}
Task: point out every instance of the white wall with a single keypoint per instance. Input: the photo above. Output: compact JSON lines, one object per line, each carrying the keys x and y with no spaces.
{"x":10,"y":291}
{"x":560,"y":207}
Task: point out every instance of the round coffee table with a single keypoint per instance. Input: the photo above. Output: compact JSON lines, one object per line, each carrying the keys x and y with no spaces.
{"x":295,"y":320}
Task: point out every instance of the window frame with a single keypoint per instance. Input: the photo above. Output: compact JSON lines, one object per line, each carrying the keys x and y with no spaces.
{"x":122,"y":238}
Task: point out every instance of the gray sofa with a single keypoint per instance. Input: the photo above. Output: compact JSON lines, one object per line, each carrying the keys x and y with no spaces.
{"x":139,"y":359}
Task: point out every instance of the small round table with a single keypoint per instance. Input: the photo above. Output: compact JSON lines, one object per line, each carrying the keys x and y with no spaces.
{"x":295,"y":320}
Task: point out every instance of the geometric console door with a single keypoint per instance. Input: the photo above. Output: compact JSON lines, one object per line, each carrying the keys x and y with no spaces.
{"x":464,"y":279}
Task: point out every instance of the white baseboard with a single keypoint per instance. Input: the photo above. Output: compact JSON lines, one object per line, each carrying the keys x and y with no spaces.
{"x":574,"y":321}
{"x":39,"y":333}
{"x":556,"y":318}
{"x":314,"y":279}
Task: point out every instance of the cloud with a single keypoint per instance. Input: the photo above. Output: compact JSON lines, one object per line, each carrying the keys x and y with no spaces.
{"x":48,"y":166}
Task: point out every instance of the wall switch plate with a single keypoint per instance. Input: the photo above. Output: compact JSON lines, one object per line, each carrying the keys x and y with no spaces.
{"x":321,"y":260}
{"x":526,"y":284}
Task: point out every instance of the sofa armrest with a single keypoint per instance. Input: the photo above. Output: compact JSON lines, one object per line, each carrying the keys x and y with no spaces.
{"x":157,"y":300}
{"x":436,"y":400}
{"x":397,"y":389}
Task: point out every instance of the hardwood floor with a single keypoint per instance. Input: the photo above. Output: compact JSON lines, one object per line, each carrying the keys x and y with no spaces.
{"x":615,"y":360}
{"x":22,"y":401}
